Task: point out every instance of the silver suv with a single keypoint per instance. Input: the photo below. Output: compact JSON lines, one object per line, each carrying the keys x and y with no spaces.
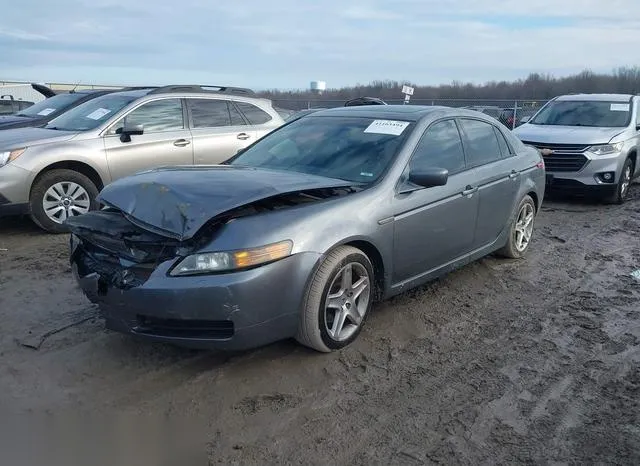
{"x":589,"y":142}
{"x":55,"y":172}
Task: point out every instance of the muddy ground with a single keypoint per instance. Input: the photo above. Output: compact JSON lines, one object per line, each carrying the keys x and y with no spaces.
{"x":527,"y":361}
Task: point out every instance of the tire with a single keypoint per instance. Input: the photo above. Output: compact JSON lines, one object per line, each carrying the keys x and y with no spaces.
{"x":318,"y":328}
{"x":514,"y":249}
{"x":73,"y":188}
{"x":622,"y":188}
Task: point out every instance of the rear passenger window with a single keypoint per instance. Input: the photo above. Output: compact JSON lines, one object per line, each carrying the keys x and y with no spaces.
{"x":255,"y":115}
{"x":213,"y":113}
{"x":481,"y":145}
{"x":440,"y":147}
{"x":502,"y":142}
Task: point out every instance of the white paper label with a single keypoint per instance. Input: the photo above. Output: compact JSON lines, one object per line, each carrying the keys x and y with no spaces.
{"x":392,"y":127}
{"x":407,"y":90}
{"x":619,"y":107}
{"x":97,"y":114}
{"x":46,"y":111}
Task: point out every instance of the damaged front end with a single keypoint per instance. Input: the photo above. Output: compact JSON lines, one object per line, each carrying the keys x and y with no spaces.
{"x":122,"y":254}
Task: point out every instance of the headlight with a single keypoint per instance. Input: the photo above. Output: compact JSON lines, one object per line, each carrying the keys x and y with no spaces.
{"x":605,"y":149}
{"x":212,"y":262}
{"x":10,"y":156}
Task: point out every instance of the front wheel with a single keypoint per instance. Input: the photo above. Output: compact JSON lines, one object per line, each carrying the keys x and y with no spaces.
{"x":521,"y":230}
{"x":58,"y":195}
{"x":338,"y":300}
{"x":622,"y":188}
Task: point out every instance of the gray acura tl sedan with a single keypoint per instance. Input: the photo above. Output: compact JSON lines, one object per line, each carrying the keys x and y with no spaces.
{"x":298,"y":234}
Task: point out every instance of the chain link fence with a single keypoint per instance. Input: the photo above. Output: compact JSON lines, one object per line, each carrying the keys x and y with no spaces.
{"x":511,"y":113}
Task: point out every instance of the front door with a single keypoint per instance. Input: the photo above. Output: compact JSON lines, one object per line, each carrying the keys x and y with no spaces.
{"x":219,"y":130}
{"x":434,"y":226}
{"x":497,"y":181}
{"x":166,"y":140}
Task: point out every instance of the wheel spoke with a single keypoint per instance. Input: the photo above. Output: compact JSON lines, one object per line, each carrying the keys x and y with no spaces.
{"x":53,"y":193}
{"x":334,"y":301}
{"x":358,"y":287}
{"x":83,"y":204}
{"x":75,"y":210}
{"x":53,"y":210}
{"x":338,"y":324}
{"x":48,"y":205}
{"x":347,"y":278}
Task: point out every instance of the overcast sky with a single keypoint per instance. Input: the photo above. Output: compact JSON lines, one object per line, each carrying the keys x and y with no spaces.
{"x":287,"y":43}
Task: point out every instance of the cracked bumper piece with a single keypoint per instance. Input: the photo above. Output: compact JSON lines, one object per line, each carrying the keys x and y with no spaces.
{"x":231,"y":311}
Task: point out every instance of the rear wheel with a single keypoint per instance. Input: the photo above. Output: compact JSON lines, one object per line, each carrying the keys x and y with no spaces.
{"x":622,"y":188}
{"x":60,"y":194}
{"x":521,"y":230}
{"x":338,"y":300}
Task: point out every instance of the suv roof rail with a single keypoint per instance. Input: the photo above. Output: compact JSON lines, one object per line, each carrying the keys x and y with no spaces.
{"x":197,"y":88}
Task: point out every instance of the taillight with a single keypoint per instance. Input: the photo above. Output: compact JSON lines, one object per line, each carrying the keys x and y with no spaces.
{"x":540,"y":164}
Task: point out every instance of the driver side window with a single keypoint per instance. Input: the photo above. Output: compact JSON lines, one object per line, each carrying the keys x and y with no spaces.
{"x":440,"y":147}
{"x":157,"y":116}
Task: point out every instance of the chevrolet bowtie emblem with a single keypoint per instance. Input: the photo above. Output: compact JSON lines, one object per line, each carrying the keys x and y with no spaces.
{"x":546,"y":151}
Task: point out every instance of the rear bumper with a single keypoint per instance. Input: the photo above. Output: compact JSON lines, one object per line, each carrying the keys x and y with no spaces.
{"x":233,"y":311}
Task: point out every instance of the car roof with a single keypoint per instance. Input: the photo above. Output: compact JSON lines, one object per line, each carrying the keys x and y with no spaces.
{"x":399,"y":112}
{"x":597,"y":97}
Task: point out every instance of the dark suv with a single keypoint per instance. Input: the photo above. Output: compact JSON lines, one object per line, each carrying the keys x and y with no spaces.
{"x":514,"y":117}
{"x":41,"y":113}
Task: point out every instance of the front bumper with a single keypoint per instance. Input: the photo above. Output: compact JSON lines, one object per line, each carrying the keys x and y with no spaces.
{"x":587,"y":179}
{"x":14,"y":190}
{"x":233,"y":311}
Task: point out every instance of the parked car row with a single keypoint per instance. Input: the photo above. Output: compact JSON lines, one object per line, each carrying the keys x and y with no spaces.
{"x":55,"y":171}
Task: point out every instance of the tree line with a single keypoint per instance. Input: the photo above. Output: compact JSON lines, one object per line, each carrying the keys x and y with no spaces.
{"x":536,"y":86}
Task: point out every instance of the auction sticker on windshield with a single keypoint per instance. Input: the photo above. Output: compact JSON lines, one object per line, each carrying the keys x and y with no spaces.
{"x":619,"y":107}
{"x":97,"y":114}
{"x":392,"y":127}
{"x":46,"y":111}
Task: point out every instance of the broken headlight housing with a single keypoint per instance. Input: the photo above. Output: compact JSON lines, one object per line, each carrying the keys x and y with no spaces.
{"x":216,"y":262}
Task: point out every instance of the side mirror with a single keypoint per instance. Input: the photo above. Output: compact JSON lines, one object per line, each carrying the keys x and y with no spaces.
{"x":429,"y":177}
{"x":130,"y":130}
{"x":525,"y":119}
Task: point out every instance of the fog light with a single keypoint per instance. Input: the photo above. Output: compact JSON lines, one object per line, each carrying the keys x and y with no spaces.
{"x":606,"y":177}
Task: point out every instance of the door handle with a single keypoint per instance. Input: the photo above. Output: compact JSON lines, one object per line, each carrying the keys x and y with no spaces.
{"x":514,"y":174}
{"x":181,"y":143}
{"x":469,"y":190}
{"x":243,"y":136}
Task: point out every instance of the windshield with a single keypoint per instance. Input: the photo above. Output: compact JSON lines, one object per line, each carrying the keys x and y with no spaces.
{"x":352,"y":149}
{"x":584,"y":113}
{"x":51,"y":105}
{"x":91,"y":114}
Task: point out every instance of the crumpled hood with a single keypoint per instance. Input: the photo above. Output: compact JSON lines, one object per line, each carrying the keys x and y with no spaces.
{"x":178,"y":201}
{"x":25,"y":137}
{"x":549,"y":134}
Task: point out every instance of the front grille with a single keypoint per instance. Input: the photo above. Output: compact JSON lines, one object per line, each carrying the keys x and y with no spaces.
{"x":565,"y":157}
{"x":214,"y":329}
{"x":571,"y":148}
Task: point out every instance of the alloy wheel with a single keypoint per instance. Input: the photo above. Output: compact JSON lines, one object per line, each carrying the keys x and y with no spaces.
{"x":347,"y":301}
{"x":524,"y":227}
{"x":65,"y":199}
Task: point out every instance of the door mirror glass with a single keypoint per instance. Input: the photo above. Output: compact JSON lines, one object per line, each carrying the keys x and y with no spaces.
{"x":525,"y":119}
{"x":429,"y":177}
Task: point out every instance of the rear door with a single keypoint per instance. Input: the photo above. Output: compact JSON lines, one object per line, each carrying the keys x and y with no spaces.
{"x":166,"y":140}
{"x":219,"y":130}
{"x":497,"y":180}
{"x":261,"y":122}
